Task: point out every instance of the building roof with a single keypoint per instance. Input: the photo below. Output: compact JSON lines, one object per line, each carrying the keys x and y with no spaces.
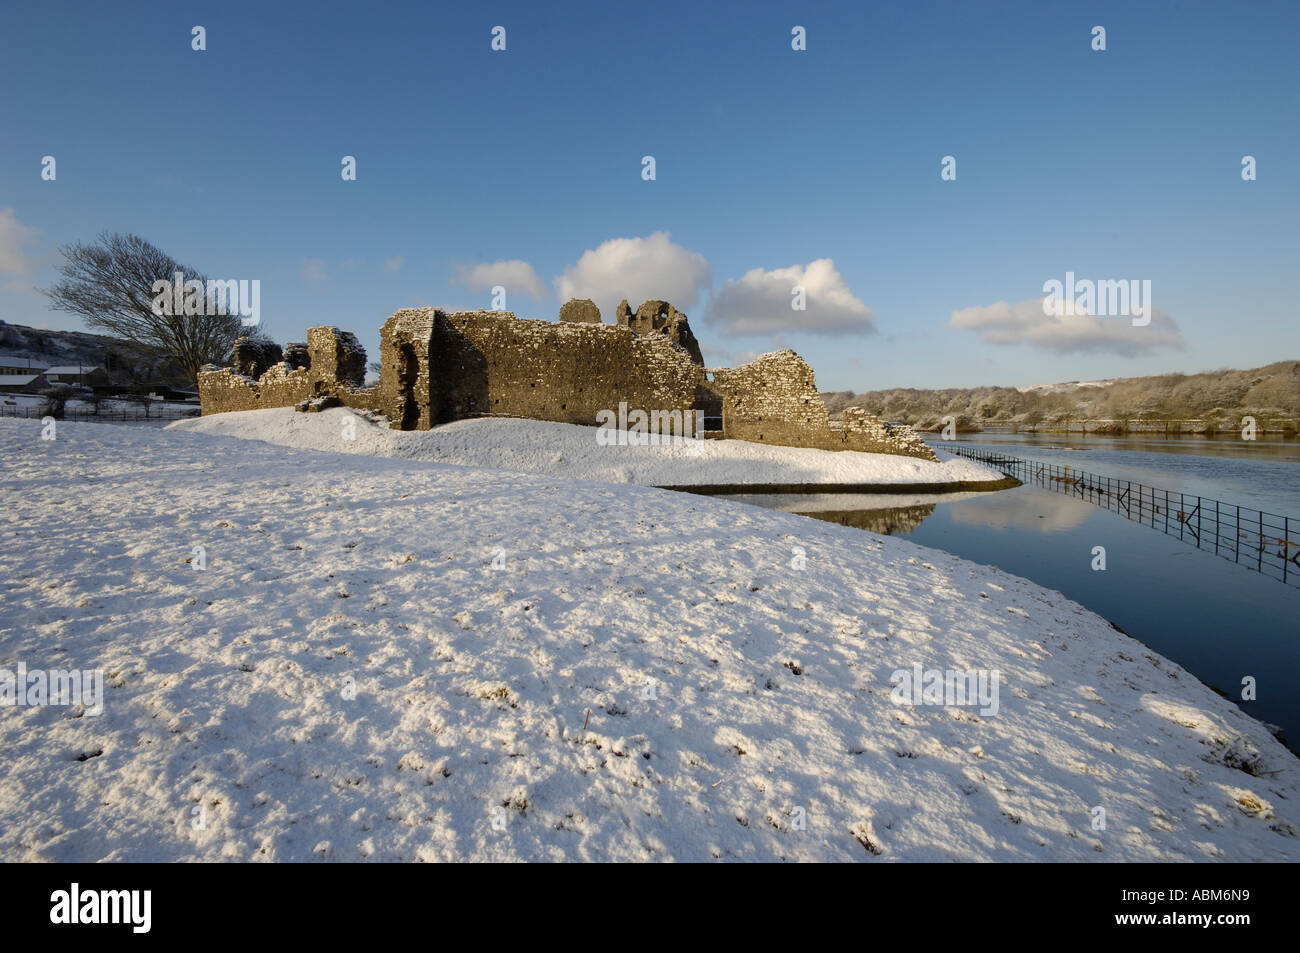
{"x":35,"y":364}
{"x":17,"y":380}
{"x":72,"y":369}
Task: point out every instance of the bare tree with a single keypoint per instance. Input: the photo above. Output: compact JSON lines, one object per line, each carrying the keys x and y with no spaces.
{"x":110,"y":283}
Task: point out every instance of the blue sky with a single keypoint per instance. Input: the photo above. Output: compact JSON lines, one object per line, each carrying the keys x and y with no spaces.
{"x":1122,"y":164}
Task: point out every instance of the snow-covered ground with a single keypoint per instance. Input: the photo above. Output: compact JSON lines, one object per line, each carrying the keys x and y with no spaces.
{"x":572,"y":451}
{"x":648,"y":675}
{"x":33,"y":403}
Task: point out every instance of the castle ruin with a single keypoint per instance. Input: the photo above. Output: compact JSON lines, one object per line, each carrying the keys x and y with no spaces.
{"x":437,"y":367}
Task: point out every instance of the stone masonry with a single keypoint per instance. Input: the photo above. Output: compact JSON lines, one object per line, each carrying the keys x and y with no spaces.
{"x":660,"y":317}
{"x":335,"y":367}
{"x":438,"y":367}
{"x":492,"y":363}
{"x":774,"y":399}
{"x":583,"y":310}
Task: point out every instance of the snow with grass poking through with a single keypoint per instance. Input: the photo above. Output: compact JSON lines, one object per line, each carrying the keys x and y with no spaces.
{"x":648,"y":676}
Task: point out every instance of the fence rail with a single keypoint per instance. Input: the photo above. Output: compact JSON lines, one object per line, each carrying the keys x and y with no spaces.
{"x":1252,"y":538}
{"x":103,"y":416}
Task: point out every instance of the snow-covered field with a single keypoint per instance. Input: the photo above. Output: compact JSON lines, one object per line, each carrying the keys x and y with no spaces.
{"x":33,"y":403}
{"x":572,"y":451}
{"x":647,"y":676}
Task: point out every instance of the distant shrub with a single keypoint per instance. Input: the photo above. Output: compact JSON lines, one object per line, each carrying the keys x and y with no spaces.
{"x":56,"y":401}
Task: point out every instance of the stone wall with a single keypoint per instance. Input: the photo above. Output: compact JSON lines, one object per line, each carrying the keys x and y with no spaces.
{"x":336,"y":367}
{"x":438,"y":367}
{"x":582,"y":310}
{"x":864,"y":431}
{"x":491,"y":362}
{"x":774,"y":399}
{"x":336,"y":356}
{"x":660,"y":317}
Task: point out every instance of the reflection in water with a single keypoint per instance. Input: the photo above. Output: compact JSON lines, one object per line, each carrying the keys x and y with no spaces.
{"x":1039,"y":513}
{"x":887,"y":522}
{"x":894,"y":514}
{"x":886,"y":513}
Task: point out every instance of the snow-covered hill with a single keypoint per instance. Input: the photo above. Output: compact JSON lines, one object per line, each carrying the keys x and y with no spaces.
{"x":647,"y":676}
{"x":1066,"y":387}
{"x":570,"y":450}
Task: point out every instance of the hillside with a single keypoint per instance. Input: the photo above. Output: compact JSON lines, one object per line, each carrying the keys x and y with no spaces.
{"x":1271,"y":394}
{"x":125,"y":363}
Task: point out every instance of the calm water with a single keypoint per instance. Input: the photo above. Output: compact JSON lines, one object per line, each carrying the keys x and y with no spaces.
{"x":1259,"y":474}
{"x":1218,"y":620}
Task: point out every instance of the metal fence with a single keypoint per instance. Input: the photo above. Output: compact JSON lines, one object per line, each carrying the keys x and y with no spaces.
{"x":132,"y":415}
{"x":1252,"y":538}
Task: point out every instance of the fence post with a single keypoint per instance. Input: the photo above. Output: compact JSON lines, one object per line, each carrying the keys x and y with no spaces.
{"x":1260,"y":562}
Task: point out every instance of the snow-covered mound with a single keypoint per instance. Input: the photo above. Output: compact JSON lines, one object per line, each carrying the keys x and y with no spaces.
{"x":648,"y":676}
{"x":572,"y":451}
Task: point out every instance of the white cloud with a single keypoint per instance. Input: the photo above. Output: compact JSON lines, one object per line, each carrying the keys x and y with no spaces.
{"x":638,"y":269}
{"x":394,"y":264}
{"x":761,"y":303}
{"x":516,"y":276}
{"x":14,"y":237}
{"x":1069,"y":330}
{"x":312,"y":270}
